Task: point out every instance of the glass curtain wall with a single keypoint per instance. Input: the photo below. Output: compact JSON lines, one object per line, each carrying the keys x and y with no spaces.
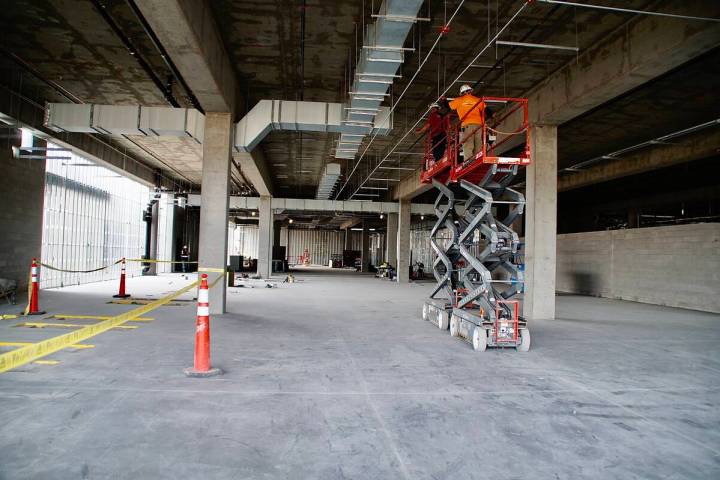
{"x":92,"y":218}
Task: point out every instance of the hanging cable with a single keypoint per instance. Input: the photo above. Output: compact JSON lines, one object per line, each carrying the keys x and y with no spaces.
{"x":497,"y":35}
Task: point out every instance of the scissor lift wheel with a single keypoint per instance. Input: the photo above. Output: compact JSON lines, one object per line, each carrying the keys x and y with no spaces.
{"x":524,"y":345}
{"x":479,"y":339}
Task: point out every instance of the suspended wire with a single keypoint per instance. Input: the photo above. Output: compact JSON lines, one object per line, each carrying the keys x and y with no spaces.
{"x":497,"y":35}
{"x":397,"y":102}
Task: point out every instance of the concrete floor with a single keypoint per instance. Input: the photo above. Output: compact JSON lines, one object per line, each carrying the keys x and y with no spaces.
{"x":338,"y":377}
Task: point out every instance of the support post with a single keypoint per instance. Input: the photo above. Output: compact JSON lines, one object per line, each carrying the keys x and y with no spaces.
{"x":214,"y":197}
{"x":541,"y":224}
{"x":391,"y":240}
{"x":403,"y":243}
{"x":365,"y":248}
{"x":265,"y":231}
{"x":154,"y":221}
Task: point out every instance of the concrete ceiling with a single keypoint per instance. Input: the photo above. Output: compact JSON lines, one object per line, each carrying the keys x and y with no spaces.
{"x":68,"y":51}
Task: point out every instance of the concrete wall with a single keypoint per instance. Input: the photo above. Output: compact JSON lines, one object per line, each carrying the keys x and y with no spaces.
{"x":677,"y":266}
{"x":22,"y":185}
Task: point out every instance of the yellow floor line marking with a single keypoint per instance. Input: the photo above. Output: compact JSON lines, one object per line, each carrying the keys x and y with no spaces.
{"x":66,"y":325}
{"x":8,"y":317}
{"x":77,"y":346}
{"x":47,"y":362}
{"x":93,"y":317}
{"x":143,"y":302}
{"x":30,"y":353}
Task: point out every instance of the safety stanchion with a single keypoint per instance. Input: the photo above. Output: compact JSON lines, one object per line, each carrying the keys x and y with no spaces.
{"x":33,"y":303}
{"x":121,"y":290}
{"x":202,"y":366}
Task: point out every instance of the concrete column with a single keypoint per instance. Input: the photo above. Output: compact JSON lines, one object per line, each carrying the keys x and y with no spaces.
{"x":365,"y":248}
{"x":348,"y":239}
{"x":214,"y":197}
{"x":265,"y":237}
{"x":403,"y":243}
{"x":155,"y":219}
{"x":391,"y":240}
{"x":541,"y":224}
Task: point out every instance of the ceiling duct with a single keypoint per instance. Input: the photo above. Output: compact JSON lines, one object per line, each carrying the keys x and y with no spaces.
{"x":328,"y":180}
{"x":380,"y":59}
{"x":269,"y":115}
{"x":125,"y":120}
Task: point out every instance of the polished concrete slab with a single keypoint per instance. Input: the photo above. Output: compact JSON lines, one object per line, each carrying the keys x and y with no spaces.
{"x":337,"y":376}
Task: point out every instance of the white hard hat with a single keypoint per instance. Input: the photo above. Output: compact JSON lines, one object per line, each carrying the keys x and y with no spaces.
{"x":465,"y":88}
{"x":435,"y":105}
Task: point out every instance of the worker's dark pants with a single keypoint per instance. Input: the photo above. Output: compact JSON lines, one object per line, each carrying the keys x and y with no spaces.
{"x":184,"y":264}
{"x":439,"y":143}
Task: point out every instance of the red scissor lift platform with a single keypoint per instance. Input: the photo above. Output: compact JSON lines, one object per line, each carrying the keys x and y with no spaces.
{"x":479,"y":309}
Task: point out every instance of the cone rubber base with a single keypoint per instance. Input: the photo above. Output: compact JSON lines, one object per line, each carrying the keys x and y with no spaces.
{"x":127,"y":295}
{"x":191,"y":372}
{"x":36,"y":313}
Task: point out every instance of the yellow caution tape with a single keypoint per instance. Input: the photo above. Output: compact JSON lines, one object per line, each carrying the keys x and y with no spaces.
{"x":8,"y":317}
{"x":30,"y":353}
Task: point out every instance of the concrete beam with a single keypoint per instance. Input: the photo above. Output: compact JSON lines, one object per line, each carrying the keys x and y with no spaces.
{"x":350,"y":223}
{"x":255,"y":169}
{"x":187,"y":30}
{"x":410,"y":187}
{"x":307,"y":205}
{"x":693,"y":147}
{"x":640,"y":50}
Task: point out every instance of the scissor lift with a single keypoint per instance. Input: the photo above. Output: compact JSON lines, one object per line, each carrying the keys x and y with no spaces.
{"x":477,"y":282}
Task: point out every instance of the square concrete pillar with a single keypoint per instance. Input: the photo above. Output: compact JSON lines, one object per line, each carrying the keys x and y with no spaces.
{"x":403,"y":243}
{"x":391,"y":240}
{"x":214,"y":198}
{"x":541,"y":224}
{"x":265,"y":237}
{"x":365,"y":248}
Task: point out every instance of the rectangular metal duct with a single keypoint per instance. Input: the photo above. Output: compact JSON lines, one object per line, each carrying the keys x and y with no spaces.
{"x":328,"y":180}
{"x":69,"y":117}
{"x":380,"y":59}
{"x":268,"y":115}
{"x":116,"y":120}
{"x":125,"y":120}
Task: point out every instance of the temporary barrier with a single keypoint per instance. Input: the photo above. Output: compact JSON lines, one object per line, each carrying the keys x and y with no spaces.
{"x":33,"y":291}
{"x":121,"y":291}
{"x":202,"y":366}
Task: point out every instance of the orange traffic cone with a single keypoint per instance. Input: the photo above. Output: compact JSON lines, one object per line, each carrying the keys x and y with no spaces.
{"x":121,"y":290}
{"x":33,"y":308}
{"x":202,"y":366}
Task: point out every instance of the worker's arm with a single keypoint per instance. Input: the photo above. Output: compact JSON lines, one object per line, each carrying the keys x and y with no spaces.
{"x":423,"y":129}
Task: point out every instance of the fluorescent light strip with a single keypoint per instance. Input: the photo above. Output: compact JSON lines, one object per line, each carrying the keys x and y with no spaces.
{"x":384,"y":179}
{"x":537,"y":45}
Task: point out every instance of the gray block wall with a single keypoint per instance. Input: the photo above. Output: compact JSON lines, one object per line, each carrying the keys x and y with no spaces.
{"x":677,"y":266}
{"x":22,"y":185}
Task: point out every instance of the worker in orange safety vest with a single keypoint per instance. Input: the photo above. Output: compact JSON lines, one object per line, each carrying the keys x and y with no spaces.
{"x":470,"y":109}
